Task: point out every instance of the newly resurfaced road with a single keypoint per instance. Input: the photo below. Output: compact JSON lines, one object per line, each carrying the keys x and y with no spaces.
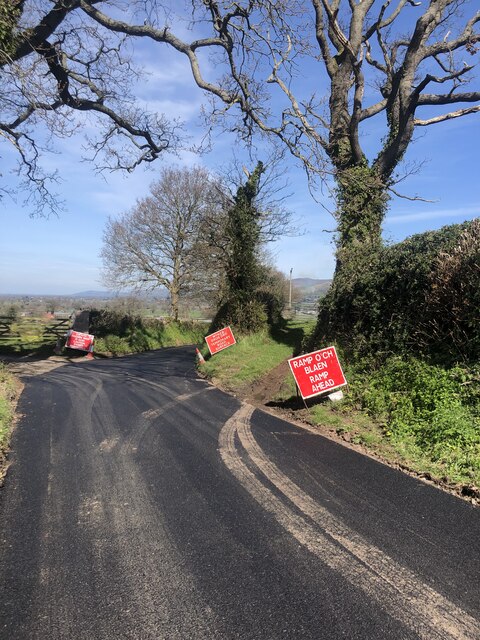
{"x":143,"y":503}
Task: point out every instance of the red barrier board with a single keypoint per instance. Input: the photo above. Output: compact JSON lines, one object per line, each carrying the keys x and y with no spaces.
{"x":317,"y":372}
{"x":80,"y":341}
{"x":220,"y":340}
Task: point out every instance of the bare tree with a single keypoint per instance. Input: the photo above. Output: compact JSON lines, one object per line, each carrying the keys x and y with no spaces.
{"x":58,"y":67}
{"x":159,"y":242}
{"x":412,"y":55}
{"x":294,"y":70}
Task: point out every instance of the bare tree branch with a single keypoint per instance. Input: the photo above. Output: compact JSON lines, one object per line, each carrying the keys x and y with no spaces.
{"x":411,"y":198}
{"x":447,"y":116}
{"x":295,"y":71}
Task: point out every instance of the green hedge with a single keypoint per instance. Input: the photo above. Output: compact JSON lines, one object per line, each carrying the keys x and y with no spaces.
{"x":119,"y":334}
{"x":425,"y":408}
{"x":420,"y":297}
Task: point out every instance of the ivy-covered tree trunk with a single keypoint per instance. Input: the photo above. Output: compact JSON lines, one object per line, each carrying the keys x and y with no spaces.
{"x":10,"y":11}
{"x":240,"y":306}
{"x":362,"y":200}
{"x":243,"y":235}
{"x":361,"y":206}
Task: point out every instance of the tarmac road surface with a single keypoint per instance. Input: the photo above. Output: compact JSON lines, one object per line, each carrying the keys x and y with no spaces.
{"x":143,"y":503}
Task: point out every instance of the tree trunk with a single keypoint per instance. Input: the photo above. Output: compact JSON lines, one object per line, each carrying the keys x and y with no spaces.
{"x":362,"y":200}
{"x":361,"y":206}
{"x":174,"y":300}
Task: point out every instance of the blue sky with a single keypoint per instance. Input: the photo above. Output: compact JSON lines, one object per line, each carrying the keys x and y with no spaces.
{"x":61,"y":255}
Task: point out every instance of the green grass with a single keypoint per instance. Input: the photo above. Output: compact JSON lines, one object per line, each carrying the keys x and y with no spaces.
{"x":413,"y":415}
{"x":254,"y":355}
{"x":427,"y":412}
{"x":8,"y":394}
{"x":149,"y":335}
{"x":408,"y":413}
{"x":27,"y":337}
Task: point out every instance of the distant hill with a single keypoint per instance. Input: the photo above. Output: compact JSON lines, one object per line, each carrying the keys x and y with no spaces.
{"x":308,"y":287}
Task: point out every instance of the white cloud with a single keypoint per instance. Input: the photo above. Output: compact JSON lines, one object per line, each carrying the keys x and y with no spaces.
{"x":180,"y":109}
{"x":463,"y":213}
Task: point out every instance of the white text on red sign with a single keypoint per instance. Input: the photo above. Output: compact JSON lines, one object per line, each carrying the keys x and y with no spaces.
{"x":317,"y":372}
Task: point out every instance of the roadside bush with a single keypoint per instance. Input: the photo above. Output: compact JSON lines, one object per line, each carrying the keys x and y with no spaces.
{"x":257,"y":310}
{"x":140,"y":340}
{"x":451,"y":329}
{"x":246,"y":314}
{"x":435,"y":410}
{"x":272,"y":293}
{"x":113,"y":344}
{"x":9,"y":390}
{"x":419,"y":296}
{"x":109,"y":322}
{"x":118,"y":335}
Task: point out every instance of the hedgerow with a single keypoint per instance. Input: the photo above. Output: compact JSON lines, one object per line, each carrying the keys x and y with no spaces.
{"x":118,"y":334}
{"x":420,"y":296}
{"x":427,"y":407}
{"x":406,"y":318}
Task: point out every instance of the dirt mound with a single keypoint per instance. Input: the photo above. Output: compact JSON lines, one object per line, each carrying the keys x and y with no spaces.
{"x":268,"y":388}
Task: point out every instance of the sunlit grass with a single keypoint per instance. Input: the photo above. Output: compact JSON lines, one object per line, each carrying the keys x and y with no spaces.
{"x":9,"y":389}
{"x":253,"y":355}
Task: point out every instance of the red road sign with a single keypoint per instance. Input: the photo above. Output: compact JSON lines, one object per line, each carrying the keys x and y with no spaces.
{"x":80,"y":341}
{"x":220,"y":340}
{"x":317,"y":372}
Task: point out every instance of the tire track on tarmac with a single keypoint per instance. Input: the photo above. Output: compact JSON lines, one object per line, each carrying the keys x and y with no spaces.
{"x":396,"y":589}
{"x":135,"y":566}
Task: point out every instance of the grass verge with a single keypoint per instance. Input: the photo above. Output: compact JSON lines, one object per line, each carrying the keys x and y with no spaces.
{"x":144,"y":335}
{"x":419,"y":417}
{"x":254,"y":356}
{"x":428,"y":414}
{"x":9,"y":392}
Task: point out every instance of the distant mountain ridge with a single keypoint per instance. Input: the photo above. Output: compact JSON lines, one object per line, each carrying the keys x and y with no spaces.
{"x":302,"y":283}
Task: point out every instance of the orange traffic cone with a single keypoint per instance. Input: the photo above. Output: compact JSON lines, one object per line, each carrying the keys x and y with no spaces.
{"x":200,"y":358}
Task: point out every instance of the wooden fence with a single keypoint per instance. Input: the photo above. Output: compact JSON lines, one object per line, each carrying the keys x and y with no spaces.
{"x":18,"y":330}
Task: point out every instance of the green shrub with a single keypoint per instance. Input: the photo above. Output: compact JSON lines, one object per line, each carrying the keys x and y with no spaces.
{"x":436,"y":410}
{"x":451,"y":329}
{"x":115,"y":345}
{"x":246,"y":314}
{"x":135,"y":334}
{"x":8,"y":394}
{"x":419,"y":296}
{"x":107,"y":322}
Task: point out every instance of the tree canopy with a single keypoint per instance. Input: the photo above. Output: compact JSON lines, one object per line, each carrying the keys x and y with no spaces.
{"x":309,"y":74}
{"x":161,"y":241}
{"x":60,"y":68}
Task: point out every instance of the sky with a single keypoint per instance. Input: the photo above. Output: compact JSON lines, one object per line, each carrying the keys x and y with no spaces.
{"x":60,"y":255}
